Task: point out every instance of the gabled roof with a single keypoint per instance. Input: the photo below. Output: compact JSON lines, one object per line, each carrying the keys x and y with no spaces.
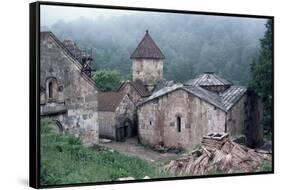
{"x":208,"y":79}
{"x":224,"y":101}
{"x":206,"y":95}
{"x":109,"y":101}
{"x":138,"y":86}
{"x":147,"y":49}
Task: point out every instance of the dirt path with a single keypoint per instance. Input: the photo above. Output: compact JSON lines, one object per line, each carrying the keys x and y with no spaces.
{"x":132,"y":147}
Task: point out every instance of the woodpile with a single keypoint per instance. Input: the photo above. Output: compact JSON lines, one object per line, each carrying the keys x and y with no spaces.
{"x":218,"y":153}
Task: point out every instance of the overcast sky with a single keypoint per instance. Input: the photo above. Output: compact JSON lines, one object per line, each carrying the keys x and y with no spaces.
{"x":50,"y":13}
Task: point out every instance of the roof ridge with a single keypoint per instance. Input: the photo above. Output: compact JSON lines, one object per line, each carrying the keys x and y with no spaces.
{"x":52,"y":35}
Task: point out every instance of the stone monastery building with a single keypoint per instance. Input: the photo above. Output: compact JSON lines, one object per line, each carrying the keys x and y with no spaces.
{"x":156,"y":111}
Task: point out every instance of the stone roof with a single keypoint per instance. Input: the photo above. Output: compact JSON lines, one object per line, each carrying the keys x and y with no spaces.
{"x":109,"y":101}
{"x":208,"y":79}
{"x":138,"y":86}
{"x":232,"y":95}
{"x":206,"y":95}
{"x":163,"y":83}
{"x":225,"y":101}
{"x":147,"y":49}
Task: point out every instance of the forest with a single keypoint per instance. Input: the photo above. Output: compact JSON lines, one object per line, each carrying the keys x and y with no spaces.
{"x":192,"y":44}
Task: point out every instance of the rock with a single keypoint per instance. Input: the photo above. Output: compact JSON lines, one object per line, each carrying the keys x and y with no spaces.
{"x":146,"y":177}
{"x":111,"y":150}
{"x":126,"y":178}
{"x":105,"y":140}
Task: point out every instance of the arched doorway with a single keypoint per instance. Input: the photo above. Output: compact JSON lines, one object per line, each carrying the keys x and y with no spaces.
{"x":125,"y":130}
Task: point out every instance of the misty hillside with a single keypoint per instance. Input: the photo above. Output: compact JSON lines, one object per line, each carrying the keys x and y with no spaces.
{"x":191,"y":43}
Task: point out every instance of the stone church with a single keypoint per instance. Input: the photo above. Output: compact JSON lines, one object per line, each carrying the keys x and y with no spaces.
{"x":67,"y":94}
{"x":156,"y":111}
{"x":179,"y":115}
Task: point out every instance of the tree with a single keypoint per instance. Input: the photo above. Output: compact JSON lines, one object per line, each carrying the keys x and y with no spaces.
{"x":261,"y":74}
{"x":107,"y":80}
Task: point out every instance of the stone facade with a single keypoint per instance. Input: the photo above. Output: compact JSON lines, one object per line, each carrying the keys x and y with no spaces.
{"x":178,"y":119}
{"x":118,"y":122}
{"x":67,"y":94}
{"x":236,"y":118}
{"x":129,"y":89}
{"x":147,"y":62}
{"x":107,"y":124}
{"x":150,"y":71}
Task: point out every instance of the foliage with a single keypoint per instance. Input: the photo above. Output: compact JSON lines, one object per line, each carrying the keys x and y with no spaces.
{"x":191,"y":44}
{"x":65,"y":160}
{"x":107,"y":80}
{"x":261,"y":74}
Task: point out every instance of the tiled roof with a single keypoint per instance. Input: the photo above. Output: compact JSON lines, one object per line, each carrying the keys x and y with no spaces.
{"x":208,"y":79}
{"x":147,"y":49}
{"x":109,"y":101}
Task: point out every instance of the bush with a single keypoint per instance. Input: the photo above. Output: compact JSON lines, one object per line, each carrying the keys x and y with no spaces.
{"x":107,"y":80}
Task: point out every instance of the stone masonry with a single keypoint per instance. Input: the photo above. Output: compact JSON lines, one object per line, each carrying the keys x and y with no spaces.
{"x":67,"y":95}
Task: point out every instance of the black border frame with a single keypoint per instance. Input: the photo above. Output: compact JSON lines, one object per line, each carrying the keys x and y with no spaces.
{"x":34,"y":100}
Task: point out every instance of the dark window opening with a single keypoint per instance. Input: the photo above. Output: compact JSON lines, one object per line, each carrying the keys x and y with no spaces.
{"x":150,"y":123}
{"x":178,"y":124}
{"x":50,"y":89}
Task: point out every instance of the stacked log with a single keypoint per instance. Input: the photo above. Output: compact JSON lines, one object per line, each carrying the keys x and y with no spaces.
{"x":220,"y":153}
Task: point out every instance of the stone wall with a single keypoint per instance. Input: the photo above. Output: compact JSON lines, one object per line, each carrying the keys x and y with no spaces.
{"x":147,"y":70}
{"x":69,"y":88}
{"x":236,"y":118}
{"x":111,"y":122}
{"x":107,"y":124}
{"x":125,"y":115}
{"x":158,"y":123}
{"x":245,"y":118}
{"x":129,"y":89}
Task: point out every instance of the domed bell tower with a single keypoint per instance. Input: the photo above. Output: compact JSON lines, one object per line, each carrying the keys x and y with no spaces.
{"x":147,"y":62}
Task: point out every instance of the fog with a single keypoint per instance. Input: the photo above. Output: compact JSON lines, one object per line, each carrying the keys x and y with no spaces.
{"x":191,"y":43}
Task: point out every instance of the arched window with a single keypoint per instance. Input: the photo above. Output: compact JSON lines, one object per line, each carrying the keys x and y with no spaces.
{"x":51,"y":89}
{"x":179,"y":124}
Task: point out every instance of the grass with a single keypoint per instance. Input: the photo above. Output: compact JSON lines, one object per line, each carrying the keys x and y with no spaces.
{"x":265,"y":166}
{"x":65,"y":160}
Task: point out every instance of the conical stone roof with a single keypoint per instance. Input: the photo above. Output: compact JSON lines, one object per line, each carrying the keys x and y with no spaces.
{"x":147,"y":49}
